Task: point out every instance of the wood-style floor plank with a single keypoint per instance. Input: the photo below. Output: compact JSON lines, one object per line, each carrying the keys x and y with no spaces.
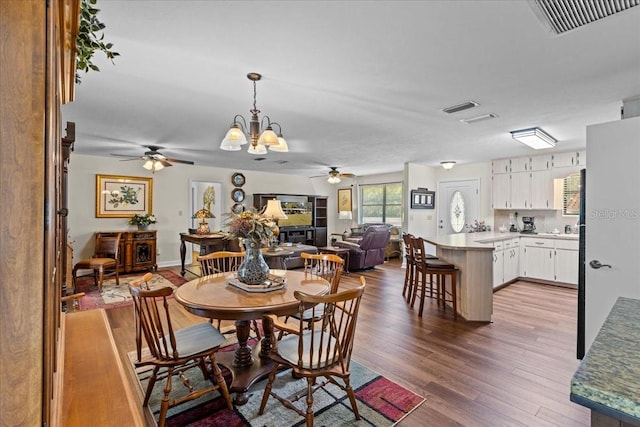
{"x":515,"y":371}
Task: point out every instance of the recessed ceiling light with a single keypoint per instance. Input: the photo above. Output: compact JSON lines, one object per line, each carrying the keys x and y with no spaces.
{"x":479,"y":118}
{"x":460,"y":107}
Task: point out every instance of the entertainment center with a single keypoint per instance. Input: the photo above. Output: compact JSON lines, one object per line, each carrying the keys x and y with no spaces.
{"x":307,"y":217}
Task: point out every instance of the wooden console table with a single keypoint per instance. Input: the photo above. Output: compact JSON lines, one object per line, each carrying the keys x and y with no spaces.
{"x":137,"y":250}
{"x":208,"y":243}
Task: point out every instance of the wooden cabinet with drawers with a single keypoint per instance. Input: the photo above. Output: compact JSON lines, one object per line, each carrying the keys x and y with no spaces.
{"x":137,"y":250}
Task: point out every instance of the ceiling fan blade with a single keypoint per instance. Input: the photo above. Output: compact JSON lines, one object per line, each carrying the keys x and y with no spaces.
{"x":346,"y":175}
{"x":130,"y":157}
{"x":164,"y":163}
{"x":186,"y":162}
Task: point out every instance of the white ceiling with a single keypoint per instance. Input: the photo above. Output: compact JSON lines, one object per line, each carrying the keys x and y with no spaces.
{"x":357,"y":84}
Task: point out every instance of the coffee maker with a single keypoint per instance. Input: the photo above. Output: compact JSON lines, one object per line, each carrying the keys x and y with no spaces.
{"x":528,"y":224}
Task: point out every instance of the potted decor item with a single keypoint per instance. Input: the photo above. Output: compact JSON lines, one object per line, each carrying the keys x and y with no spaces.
{"x":142,"y":221}
{"x":255,"y":230}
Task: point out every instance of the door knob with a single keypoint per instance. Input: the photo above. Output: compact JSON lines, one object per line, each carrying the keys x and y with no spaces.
{"x":594,"y":263}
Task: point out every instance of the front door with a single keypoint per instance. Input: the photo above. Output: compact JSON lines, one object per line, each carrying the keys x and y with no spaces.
{"x":458,"y":205}
{"x":612,"y":219}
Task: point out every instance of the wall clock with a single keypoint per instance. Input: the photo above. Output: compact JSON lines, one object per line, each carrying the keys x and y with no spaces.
{"x":237,"y":195}
{"x":237,"y":179}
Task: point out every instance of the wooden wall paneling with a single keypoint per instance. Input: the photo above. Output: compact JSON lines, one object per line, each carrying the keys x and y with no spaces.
{"x":22,"y":97}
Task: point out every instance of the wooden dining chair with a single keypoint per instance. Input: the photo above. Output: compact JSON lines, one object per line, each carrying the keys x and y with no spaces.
{"x":324,"y":350}
{"x":224,"y":262}
{"x":104,"y":259}
{"x":172,"y":352}
{"x":410,"y":267}
{"x":220,"y":262}
{"x":325,"y":266}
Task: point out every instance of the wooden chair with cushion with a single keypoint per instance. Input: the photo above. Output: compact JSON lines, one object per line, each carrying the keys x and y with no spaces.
{"x":172,"y":352}
{"x":410,"y":268}
{"x":224,"y":262}
{"x":105,"y":258}
{"x":324,"y":350}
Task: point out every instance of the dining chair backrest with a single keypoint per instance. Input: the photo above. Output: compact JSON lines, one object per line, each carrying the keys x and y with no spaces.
{"x":417,"y":249}
{"x":107,"y":246}
{"x":408,"y":250}
{"x":152,"y":312}
{"x":326,"y":266}
{"x":328,"y":338}
{"x":220,"y":262}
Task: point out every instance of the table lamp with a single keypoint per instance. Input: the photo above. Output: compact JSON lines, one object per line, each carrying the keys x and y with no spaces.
{"x":274,"y":211}
{"x":202,"y":215}
{"x":346,"y":215}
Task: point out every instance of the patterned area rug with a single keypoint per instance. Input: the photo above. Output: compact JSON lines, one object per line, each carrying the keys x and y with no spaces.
{"x":113,"y":296}
{"x":381,"y":402}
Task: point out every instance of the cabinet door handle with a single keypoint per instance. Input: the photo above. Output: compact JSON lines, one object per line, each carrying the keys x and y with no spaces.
{"x":539,"y":243}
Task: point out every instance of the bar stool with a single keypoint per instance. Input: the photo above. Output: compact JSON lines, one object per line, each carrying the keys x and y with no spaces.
{"x":420,"y":282}
{"x":442,"y":270}
{"x":410,"y":269}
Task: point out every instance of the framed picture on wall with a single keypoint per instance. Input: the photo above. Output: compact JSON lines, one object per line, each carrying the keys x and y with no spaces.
{"x":123,"y":196}
{"x":423,"y":199}
{"x":344,"y":200}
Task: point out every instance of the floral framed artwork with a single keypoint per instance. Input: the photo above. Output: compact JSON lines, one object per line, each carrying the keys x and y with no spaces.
{"x":123,"y":196}
{"x":344,"y":200}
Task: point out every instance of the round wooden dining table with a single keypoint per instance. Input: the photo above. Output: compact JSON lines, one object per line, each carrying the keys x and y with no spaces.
{"x":214,"y":298}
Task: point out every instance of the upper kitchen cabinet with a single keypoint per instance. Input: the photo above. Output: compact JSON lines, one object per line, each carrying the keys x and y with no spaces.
{"x":521,"y":164}
{"x":565,"y":164}
{"x":541,"y":163}
{"x":501,"y":166}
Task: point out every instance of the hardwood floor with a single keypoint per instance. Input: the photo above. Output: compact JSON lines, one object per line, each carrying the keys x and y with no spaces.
{"x":513,"y":371}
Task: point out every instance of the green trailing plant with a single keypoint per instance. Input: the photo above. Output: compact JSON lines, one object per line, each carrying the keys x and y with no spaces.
{"x":90,"y":39}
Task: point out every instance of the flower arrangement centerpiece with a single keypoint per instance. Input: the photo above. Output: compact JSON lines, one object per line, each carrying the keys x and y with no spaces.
{"x":142,"y":221}
{"x":254,"y":229}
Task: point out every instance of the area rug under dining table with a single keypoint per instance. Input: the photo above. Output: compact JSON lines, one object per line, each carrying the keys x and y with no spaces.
{"x":381,"y":402}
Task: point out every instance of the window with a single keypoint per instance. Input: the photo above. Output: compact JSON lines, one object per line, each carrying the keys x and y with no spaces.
{"x":381,"y":203}
{"x":571,"y":194}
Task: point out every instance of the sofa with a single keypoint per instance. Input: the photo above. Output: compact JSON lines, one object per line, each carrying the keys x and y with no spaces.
{"x":370,"y":250}
{"x":394,"y":246}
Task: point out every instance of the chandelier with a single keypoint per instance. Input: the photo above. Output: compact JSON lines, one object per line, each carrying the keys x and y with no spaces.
{"x":260,"y":132}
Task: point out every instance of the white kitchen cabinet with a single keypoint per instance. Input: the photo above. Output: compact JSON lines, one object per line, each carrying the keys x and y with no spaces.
{"x":498,"y":264}
{"x":501,"y":166}
{"x":568,"y":159}
{"x":520,"y":164}
{"x":566,"y":261}
{"x":537,"y":259}
{"x":541,"y":163}
{"x":520,"y":190}
{"x":501,"y":191}
{"x":541,"y":185}
{"x":511,"y":258}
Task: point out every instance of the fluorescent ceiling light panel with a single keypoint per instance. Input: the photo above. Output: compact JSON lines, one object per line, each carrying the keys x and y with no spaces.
{"x":460,"y":107}
{"x":479,"y":118}
{"x":535,"y":138}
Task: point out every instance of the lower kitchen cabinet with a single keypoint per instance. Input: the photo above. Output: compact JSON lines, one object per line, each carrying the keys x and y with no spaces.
{"x":549,"y":259}
{"x":505,"y":261}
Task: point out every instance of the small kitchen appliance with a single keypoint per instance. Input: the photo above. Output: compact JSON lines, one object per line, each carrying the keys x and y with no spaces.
{"x":528,"y":224}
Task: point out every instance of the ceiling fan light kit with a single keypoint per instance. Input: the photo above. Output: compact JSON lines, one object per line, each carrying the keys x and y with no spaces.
{"x":535,"y":138}
{"x":259,"y":131}
{"x":154,"y":160}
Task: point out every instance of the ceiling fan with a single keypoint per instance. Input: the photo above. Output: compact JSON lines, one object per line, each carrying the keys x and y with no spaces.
{"x":335,"y":175}
{"x":154,"y":159}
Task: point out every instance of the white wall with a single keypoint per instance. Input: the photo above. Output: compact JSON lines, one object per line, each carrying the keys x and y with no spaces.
{"x":170,"y":198}
{"x":419,"y":222}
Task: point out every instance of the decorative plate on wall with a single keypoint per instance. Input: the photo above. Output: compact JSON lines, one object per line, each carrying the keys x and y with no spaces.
{"x":237,"y":208}
{"x":237,"y":179}
{"x":237,"y":195}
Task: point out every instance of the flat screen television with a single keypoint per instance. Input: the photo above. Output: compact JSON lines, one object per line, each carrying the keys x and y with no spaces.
{"x":298,"y":209}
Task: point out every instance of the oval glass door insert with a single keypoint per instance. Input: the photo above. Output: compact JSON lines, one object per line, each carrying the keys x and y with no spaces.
{"x":456,"y":212}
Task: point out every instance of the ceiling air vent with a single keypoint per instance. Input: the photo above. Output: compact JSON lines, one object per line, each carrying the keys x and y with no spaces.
{"x":565,"y":15}
{"x":460,"y":107}
{"x":479,"y":118}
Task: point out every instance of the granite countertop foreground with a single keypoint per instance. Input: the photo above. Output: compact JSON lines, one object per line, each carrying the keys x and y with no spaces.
{"x":608,"y":379}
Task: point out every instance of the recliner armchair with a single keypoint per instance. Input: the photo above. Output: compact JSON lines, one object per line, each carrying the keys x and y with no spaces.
{"x":370,"y":250}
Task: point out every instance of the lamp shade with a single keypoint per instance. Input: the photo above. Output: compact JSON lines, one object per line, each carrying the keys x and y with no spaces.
{"x":268,"y":138}
{"x":274,"y":210}
{"x":345,"y":215}
{"x":258,"y":149}
{"x":333,"y":179}
{"x":281,"y":147}
{"x":535,"y":138}
{"x":233,"y":139}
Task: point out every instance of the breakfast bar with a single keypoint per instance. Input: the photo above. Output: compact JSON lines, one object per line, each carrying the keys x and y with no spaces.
{"x":474,"y":260}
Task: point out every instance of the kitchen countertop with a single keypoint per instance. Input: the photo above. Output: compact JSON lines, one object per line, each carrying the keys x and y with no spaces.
{"x":608,"y":379}
{"x":485,"y":239}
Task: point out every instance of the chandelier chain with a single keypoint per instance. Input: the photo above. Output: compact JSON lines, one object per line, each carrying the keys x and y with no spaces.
{"x":254,"y":95}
